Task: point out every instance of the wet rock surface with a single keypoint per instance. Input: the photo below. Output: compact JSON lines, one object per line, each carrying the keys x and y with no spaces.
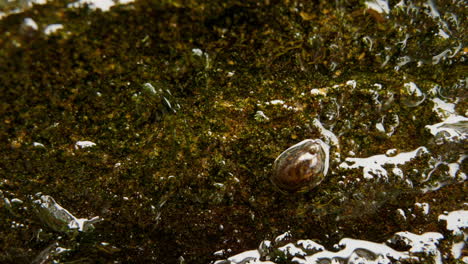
{"x":164,"y":118}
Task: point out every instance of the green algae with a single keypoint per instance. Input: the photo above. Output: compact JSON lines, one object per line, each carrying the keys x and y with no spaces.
{"x":196,"y":177}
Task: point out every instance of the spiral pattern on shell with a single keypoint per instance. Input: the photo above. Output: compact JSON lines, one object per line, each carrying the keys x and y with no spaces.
{"x":302,"y":166}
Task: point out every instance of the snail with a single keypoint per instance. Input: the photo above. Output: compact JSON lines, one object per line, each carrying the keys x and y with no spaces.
{"x":302,"y":166}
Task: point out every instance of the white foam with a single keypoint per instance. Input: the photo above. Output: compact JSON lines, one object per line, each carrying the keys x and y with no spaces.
{"x":457,"y":249}
{"x":291,"y":250}
{"x":452,"y":129}
{"x":456,"y":221}
{"x":380,"y":127}
{"x":442,"y":108}
{"x":243,"y":257}
{"x":420,"y":247}
{"x":351,"y":245}
{"x":260,"y":116}
{"x":424,"y":207}
{"x":38,"y":145}
{"x":84,"y":144}
{"x":275,"y":102}
{"x":283,"y":104}
{"x":310,"y":245}
{"x":283,"y":237}
{"x":197,"y":52}
{"x":52,"y":28}
{"x":380,"y":6}
{"x":424,"y":243}
{"x":30,"y":23}
{"x":104,"y":5}
{"x":401,"y":213}
{"x":316,"y":91}
{"x":374,"y":166}
{"x":351,"y":83}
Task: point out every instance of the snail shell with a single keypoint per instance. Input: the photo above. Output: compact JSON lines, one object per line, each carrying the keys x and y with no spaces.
{"x":302,"y":166}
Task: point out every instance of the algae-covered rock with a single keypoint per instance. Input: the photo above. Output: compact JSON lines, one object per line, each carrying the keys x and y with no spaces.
{"x":190,"y":103}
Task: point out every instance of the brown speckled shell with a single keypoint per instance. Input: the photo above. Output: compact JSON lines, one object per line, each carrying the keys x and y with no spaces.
{"x":302,"y":166}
